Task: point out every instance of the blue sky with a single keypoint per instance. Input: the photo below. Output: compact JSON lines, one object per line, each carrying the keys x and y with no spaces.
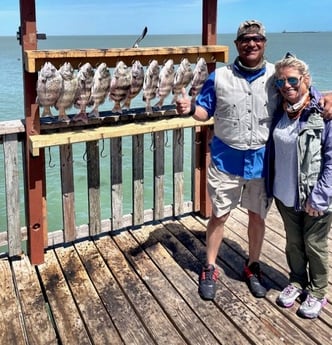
{"x":107,"y":17}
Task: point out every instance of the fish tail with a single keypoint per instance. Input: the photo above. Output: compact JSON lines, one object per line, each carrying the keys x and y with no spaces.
{"x":117,"y":108}
{"x":159,"y":104}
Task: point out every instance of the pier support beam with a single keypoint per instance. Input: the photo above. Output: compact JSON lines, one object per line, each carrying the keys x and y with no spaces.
{"x":34,"y":166}
{"x":204,"y":134}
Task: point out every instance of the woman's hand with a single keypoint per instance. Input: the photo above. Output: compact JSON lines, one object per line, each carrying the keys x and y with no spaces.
{"x":311,"y":211}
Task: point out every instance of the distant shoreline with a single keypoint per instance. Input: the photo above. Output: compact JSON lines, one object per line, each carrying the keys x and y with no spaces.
{"x":300,"y":32}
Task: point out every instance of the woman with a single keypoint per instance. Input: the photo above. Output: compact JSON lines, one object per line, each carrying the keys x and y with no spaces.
{"x":300,"y":176}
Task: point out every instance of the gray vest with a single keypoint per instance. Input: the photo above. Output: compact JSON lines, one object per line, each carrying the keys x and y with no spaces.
{"x":244,"y":111}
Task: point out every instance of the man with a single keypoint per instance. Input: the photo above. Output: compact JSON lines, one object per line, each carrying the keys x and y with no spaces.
{"x":242,"y":98}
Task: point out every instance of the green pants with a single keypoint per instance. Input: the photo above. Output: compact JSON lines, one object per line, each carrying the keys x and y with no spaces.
{"x":307,"y":249}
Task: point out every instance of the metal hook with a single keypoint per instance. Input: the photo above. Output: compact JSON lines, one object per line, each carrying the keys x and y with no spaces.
{"x":50,"y":160}
{"x":152,"y":146}
{"x":84,"y":156}
{"x":102,"y":149}
{"x":181,"y":139}
{"x":166,"y":141}
{"x":68,"y":155}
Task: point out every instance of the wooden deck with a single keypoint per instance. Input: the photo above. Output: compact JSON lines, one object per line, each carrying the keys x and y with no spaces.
{"x":140,"y":287}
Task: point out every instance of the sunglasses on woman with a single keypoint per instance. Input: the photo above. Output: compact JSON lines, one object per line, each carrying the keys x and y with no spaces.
{"x":292,"y":81}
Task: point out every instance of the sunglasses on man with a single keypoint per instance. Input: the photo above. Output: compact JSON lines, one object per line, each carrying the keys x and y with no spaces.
{"x":247,"y":39}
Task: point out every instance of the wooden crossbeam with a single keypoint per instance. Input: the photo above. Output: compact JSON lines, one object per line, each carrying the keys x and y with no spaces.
{"x":34,"y":59}
{"x":106,"y":132}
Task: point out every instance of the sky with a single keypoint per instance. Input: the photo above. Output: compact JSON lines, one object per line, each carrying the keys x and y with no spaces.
{"x":129,"y":17}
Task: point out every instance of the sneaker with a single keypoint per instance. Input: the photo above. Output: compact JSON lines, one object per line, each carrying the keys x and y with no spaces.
{"x":253,"y":278}
{"x":288,"y":296}
{"x":311,"y":307}
{"x":207,"y":282}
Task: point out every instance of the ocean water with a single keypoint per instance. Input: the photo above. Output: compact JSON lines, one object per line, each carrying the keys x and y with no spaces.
{"x":314,"y":48}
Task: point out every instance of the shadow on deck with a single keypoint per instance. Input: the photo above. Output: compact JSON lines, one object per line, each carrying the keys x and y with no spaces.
{"x":140,"y":287}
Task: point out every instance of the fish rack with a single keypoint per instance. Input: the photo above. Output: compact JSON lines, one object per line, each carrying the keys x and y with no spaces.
{"x":40,"y":135}
{"x":159,"y":120}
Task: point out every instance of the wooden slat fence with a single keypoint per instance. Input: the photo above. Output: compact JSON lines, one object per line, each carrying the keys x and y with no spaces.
{"x":13,"y":233}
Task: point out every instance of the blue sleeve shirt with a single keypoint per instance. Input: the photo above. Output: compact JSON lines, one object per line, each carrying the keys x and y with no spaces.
{"x":245,"y":163}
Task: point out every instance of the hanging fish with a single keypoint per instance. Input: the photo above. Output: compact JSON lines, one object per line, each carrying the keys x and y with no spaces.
{"x":100,"y":88}
{"x":200,"y":75}
{"x":183,"y":77}
{"x":68,"y":91}
{"x":120,"y":85}
{"x":150,"y":84}
{"x":84,"y":84}
{"x":165,"y":82}
{"x":49,"y":85}
{"x":136,"y":85}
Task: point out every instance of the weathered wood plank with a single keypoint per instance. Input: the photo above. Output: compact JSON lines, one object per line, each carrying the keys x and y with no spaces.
{"x":116,"y":183}
{"x":10,"y":148}
{"x":12,"y":127}
{"x":175,"y":307}
{"x":99,"y":326}
{"x":319,"y":332}
{"x":66,"y":316}
{"x":273,"y":237}
{"x":122,"y":313}
{"x":152,"y":315}
{"x":11,"y":331}
{"x":232,"y":296}
{"x":142,"y":284}
{"x":38,"y":326}
{"x":93,"y":173}
{"x":138,"y":179}
{"x":34,"y":59}
{"x":151,"y":238}
{"x":159,"y":174}
{"x":68,"y":195}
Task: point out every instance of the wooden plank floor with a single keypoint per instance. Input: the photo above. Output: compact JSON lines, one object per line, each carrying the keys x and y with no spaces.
{"x":140,"y":287}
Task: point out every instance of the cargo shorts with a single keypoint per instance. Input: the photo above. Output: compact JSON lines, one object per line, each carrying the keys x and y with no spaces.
{"x":227,"y":191}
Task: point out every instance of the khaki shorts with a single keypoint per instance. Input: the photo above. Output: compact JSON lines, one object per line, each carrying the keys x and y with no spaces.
{"x":227,"y":191}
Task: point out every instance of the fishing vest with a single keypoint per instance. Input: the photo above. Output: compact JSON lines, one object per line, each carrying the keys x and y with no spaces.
{"x":310,"y":159}
{"x":244,"y":110}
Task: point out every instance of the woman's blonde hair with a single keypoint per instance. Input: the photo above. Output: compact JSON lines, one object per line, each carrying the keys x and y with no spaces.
{"x":292,"y":61}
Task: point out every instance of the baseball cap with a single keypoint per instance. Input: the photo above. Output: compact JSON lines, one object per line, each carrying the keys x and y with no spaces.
{"x":250,"y":27}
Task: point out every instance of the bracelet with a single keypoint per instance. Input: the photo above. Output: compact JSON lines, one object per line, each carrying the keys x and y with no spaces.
{"x":192,"y":109}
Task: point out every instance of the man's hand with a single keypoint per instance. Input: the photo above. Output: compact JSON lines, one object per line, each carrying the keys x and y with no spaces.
{"x":183,"y":103}
{"x":326,"y":103}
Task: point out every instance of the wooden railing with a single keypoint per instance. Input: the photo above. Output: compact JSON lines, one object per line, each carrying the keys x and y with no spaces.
{"x":12,"y":233}
{"x":164,"y":131}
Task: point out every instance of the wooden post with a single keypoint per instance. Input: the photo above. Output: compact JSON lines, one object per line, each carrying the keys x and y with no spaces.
{"x":34,"y":166}
{"x":204,"y":134}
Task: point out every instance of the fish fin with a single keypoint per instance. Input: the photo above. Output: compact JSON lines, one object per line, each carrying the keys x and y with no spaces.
{"x":174,"y":99}
{"x":159,"y":104}
{"x":94,"y":113}
{"x":80,"y":117}
{"x":126,"y":103}
{"x":63,"y":118}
